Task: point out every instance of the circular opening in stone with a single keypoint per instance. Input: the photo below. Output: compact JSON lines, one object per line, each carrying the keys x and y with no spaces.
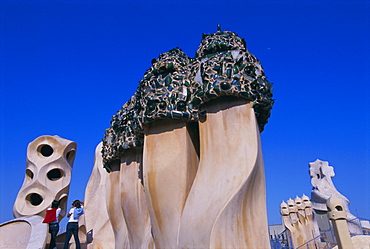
{"x":29,"y":174}
{"x":339,"y":208}
{"x":70,"y":156}
{"x":46,"y":150}
{"x":54,"y":174}
{"x":35,"y":199}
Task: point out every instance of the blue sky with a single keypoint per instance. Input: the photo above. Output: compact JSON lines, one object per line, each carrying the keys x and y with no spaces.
{"x":68,"y":66}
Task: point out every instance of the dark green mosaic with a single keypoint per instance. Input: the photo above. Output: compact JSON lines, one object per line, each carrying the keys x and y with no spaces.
{"x":230,"y":70}
{"x":166,"y":89}
{"x":125,"y":131}
{"x":220,"y":41}
{"x":176,"y":86}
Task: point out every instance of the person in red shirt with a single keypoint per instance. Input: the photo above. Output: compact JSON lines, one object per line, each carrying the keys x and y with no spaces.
{"x":54,"y":225}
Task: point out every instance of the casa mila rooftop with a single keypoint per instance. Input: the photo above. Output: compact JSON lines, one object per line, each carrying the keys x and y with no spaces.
{"x":161,"y":179}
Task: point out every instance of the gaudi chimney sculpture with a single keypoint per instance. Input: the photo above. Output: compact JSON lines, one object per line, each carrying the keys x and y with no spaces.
{"x":48,"y":175}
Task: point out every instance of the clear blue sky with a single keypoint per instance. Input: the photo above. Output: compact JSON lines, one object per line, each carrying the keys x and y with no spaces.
{"x":68,"y":66}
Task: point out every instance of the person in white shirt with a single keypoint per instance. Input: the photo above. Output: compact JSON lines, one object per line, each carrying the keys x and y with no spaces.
{"x":74,"y":215}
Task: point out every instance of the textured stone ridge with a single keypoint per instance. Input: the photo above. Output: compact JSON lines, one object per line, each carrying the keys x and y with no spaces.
{"x":176,"y":86}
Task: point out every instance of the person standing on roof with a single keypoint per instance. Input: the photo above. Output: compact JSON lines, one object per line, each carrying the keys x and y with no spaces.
{"x":52,"y":217}
{"x":74,"y":215}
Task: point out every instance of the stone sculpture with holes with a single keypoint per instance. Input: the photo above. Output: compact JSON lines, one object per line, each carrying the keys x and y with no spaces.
{"x":338,"y":216}
{"x":323,"y":188}
{"x":48,"y":174}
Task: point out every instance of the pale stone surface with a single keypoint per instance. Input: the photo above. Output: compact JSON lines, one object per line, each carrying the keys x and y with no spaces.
{"x":170,"y":161}
{"x":9,"y":234}
{"x":293,"y":222}
{"x":26,"y":232}
{"x":48,"y":175}
{"x":133,"y":201}
{"x":359,"y":242}
{"x":297,"y":218}
{"x":323,"y":188}
{"x":219,"y":205}
{"x":337,"y":215}
{"x":98,"y":226}
{"x":284,"y":211}
{"x":312,"y":228}
{"x":301,"y":224}
{"x":115,"y":212}
{"x":226,"y":204}
{"x":126,"y":202}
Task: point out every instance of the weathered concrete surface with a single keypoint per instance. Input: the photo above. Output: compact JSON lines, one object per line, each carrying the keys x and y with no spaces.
{"x":337,"y":215}
{"x":115,"y":212}
{"x":323,"y":188}
{"x":359,"y":242}
{"x":26,"y":232}
{"x":170,"y":161}
{"x":226,"y":206}
{"x":133,"y":201}
{"x":297,"y":219}
{"x":98,"y":226}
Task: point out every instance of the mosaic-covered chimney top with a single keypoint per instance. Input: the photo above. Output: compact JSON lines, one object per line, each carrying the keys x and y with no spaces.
{"x":176,"y":86}
{"x":220,"y":41}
